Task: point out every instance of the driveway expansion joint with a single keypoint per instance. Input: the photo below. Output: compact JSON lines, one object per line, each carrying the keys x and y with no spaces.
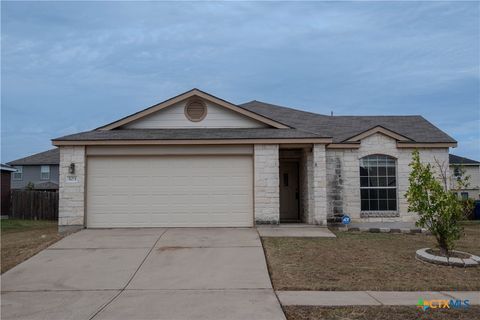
{"x":381,"y":303}
{"x":129,"y":280}
{"x":220,"y":273}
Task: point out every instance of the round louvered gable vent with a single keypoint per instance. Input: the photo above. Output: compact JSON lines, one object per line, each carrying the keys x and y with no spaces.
{"x":195,"y":110}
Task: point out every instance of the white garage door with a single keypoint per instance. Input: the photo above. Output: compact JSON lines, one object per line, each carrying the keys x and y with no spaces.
{"x":170,"y":191}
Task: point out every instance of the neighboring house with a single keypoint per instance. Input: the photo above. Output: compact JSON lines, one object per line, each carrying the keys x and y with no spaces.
{"x":196,"y":160}
{"x":463,"y":166}
{"x":40,"y":169}
{"x":6,"y":171}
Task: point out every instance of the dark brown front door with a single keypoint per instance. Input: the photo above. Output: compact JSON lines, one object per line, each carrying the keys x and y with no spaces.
{"x":289,"y":193}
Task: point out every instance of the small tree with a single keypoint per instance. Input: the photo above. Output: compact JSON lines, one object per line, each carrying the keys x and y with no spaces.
{"x":459,"y":180}
{"x":439,"y":209}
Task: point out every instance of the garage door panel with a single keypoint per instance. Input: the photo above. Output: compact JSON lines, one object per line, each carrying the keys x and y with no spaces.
{"x":169,"y":191}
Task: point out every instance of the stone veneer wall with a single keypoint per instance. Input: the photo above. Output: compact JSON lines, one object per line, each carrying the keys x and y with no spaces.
{"x":305,"y":166}
{"x":71,"y":207}
{"x":338,"y":169}
{"x":316,"y":211}
{"x":267,"y":184}
{"x":343,"y":175}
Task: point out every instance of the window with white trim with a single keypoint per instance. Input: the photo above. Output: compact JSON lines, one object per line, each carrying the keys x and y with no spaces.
{"x":378,"y":183}
{"x":44,"y":172}
{"x":18,"y":175}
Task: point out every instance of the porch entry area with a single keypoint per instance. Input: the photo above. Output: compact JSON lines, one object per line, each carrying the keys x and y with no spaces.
{"x":291,"y":208}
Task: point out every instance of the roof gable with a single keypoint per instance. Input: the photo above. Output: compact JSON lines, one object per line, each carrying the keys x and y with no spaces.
{"x":375,"y":130}
{"x":175,"y":117}
{"x":194,"y":93}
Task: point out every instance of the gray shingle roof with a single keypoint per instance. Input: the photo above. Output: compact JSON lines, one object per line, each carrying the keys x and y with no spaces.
{"x":47,"y":157}
{"x":304,"y":125}
{"x":340,"y":128}
{"x":188,"y":134}
{"x":453,"y":159}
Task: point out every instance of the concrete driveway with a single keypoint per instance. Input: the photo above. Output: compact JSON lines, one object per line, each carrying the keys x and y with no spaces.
{"x":175,"y":273}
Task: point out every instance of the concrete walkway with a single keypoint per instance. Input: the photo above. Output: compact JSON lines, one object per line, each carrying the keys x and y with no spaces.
{"x":294,"y":230}
{"x":191,"y":273}
{"x":371,"y":298}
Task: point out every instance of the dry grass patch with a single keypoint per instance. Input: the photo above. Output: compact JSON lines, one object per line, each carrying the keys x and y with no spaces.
{"x":22,"y":239}
{"x":367,"y":261}
{"x":378,"y":313}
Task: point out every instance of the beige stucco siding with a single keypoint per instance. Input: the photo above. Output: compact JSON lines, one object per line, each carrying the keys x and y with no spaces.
{"x":174,"y":117}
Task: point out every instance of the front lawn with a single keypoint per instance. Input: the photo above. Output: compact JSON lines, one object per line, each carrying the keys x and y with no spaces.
{"x":378,"y":313}
{"x":367,"y":261}
{"x":22,"y":239}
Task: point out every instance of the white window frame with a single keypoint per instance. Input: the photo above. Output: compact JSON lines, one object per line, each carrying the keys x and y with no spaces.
{"x":45,"y":172}
{"x":381,"y":187}
{"x":18,"y":175}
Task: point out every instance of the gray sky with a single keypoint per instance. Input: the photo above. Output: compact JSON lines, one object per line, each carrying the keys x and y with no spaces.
{"x":73,"y":66}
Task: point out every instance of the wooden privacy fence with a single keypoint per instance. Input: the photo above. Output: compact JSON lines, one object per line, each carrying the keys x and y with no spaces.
{"x":35,"y":205}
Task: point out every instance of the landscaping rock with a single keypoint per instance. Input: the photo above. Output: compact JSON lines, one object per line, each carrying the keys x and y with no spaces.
{"x":457,"y":262}
{"x":470,"y":263}
{"x":476,"y":258}
{"x":424,"y":255}
{"x":441,"y":260}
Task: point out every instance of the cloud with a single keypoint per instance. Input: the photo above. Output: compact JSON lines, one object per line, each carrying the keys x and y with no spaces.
{"x":78,"y":65}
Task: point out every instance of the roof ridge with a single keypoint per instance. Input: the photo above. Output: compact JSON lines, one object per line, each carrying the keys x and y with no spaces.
{"x":379,"y":116}
{"x":283,"y":107}
{"x":53,"y":150}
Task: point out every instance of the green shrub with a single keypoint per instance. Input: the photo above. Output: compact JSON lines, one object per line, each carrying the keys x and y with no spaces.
{"x":439,"y":209}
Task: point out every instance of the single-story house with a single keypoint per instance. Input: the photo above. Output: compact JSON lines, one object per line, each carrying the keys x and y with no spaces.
{"x":6,"y":171}
{"x":40,"y":170}
{"x":196,"y":160}
{"x":463,"y":166}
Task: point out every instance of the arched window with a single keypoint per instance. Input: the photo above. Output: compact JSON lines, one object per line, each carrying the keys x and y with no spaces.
{"x":378,"y":183}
